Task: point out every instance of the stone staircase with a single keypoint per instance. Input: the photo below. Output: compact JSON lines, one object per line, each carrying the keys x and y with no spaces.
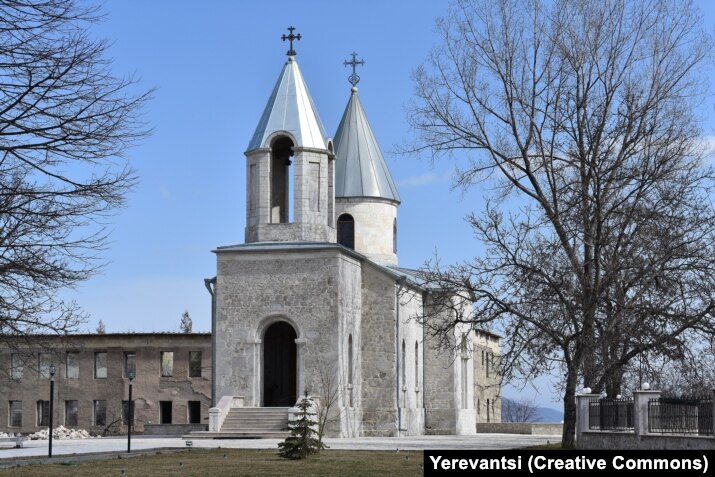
{"x":250,"y":423}
{"x":257,"y":421}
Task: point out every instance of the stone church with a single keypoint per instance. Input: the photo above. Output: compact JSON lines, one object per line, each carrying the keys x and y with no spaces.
{"x":315,"y":301}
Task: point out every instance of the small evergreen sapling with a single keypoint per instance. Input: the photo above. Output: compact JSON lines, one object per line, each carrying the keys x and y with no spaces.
{"x":303,"y":440}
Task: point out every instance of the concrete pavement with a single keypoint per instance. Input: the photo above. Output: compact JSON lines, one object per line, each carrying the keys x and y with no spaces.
{"x":64,"y":447}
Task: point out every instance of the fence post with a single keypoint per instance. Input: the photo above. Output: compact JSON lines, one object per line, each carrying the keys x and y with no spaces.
{"x":713,"y":415}
{"x":582,"y":403}
{"x":640,"y":410}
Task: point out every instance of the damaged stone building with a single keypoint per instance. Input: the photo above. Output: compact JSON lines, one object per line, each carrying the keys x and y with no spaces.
{"x":171,"y":385}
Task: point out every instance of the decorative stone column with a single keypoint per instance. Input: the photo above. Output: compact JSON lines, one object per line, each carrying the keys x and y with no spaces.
{"x":640,"y":409}
{"x":256,"y":374}
{"x":299,"y":367}
{"x":583,"y":401}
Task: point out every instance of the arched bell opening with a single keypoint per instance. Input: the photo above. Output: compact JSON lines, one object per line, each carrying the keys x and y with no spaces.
{"x":281,"y":180}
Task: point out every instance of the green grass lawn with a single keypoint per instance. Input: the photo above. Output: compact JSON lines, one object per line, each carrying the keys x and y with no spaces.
{"x":236,"y":463}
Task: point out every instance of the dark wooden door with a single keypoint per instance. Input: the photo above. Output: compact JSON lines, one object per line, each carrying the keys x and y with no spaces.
{"x":279,"y":365}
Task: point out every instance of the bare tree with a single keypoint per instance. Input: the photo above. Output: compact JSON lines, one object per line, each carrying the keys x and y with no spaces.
{"x":598,"y":230}
{"x":113,"y":425}
{"x":518,"y":411}
{"x":691,"y":374}
{"x":101,"y":328}
{"x":325,"y":406}
{"x":186,"y":323}
{"x":65,"y":123}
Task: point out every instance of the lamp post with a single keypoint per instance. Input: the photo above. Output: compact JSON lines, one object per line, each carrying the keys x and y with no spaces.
{"x":131,"y":414}
{"x":52,"y":401}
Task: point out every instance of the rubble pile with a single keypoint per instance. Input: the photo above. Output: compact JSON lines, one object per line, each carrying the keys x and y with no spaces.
{"x":60,"y":432}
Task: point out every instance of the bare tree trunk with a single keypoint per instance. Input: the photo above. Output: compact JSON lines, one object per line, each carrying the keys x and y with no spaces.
{"x":568,"y":437}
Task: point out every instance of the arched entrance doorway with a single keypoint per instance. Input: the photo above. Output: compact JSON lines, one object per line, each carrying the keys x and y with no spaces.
{"x":279,"y":365}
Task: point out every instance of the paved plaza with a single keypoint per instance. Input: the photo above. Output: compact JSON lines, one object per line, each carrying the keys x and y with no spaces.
{"x":67,"y":447}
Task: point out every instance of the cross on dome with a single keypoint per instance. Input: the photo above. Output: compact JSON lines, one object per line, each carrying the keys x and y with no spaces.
{"x":290,"y":37}
{"x":354,"y":79}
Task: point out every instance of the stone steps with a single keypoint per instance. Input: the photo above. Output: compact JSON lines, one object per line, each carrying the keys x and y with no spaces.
{"x":274,"y":425}
{"x":255,"y":422}
{"x":235,"y":435}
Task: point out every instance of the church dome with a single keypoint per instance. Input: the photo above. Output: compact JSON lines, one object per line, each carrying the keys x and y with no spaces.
{"x":360,"y":169}
{"x":290,"y":109}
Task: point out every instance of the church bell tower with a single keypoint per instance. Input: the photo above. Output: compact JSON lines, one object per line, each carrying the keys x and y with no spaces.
{"x":366,"y":198}
{"x":290,"y":166}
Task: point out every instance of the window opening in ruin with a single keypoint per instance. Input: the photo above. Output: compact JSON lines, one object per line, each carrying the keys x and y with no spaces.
{"x":165,"y":412}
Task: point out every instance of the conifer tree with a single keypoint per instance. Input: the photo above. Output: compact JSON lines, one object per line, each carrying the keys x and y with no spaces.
{"x":303,"y":440}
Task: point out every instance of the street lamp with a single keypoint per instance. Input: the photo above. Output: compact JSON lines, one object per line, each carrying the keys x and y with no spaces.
{"x":131,"y":414}
{"x":52,"y":401}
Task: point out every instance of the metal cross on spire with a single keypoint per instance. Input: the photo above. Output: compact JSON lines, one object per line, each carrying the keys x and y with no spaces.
{"x":354,"y":78}
{"x":291,"y":37}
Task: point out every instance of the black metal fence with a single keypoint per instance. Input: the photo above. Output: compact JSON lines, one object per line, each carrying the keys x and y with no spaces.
{"x":611,"y":414}
{"x":681,"y":415}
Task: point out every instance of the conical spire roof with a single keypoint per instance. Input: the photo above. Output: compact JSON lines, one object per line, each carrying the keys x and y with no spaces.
{"x":360,"y":169}
{"x":290,"y":108}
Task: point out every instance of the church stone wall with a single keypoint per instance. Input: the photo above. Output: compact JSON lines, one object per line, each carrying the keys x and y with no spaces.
{"x":464,"y":382}
{"x":291,"y":232}
{"x":334,"y":299}
{"x":310,"y":178}
{"x":449,"y":404}
{"x":256,"y":288}
{"x":487,"y":384}
{"x":378,"y":353}
{"x":411,"y":367}
{"x":439,"y":387}
{"x":349,"y":379}
{"x":258,"y":209}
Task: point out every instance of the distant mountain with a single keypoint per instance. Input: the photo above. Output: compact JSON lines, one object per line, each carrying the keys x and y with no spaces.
{"x":543,"y":414}
{"x":547,"y":414}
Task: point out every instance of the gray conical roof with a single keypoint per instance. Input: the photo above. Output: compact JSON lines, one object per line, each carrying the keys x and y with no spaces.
{"x":360,"y":169}
{"x":290,"y":108}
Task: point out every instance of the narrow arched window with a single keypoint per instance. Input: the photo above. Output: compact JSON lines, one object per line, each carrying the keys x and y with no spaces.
{"x":404,"y":365}
{"x":350,"y":370}
{"x":394,"y":236}
{"x":350,"y":359}
{"x":417,"y":364}
{"x":346,"y":231}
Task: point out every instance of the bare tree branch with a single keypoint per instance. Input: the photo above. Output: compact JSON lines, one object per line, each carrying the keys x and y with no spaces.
{"x":518,"y":411}
{"x":599,"y":238}
{"x":65,"y":124}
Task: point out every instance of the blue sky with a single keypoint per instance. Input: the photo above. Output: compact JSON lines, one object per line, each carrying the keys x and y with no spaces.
{"x":214,"y":64}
